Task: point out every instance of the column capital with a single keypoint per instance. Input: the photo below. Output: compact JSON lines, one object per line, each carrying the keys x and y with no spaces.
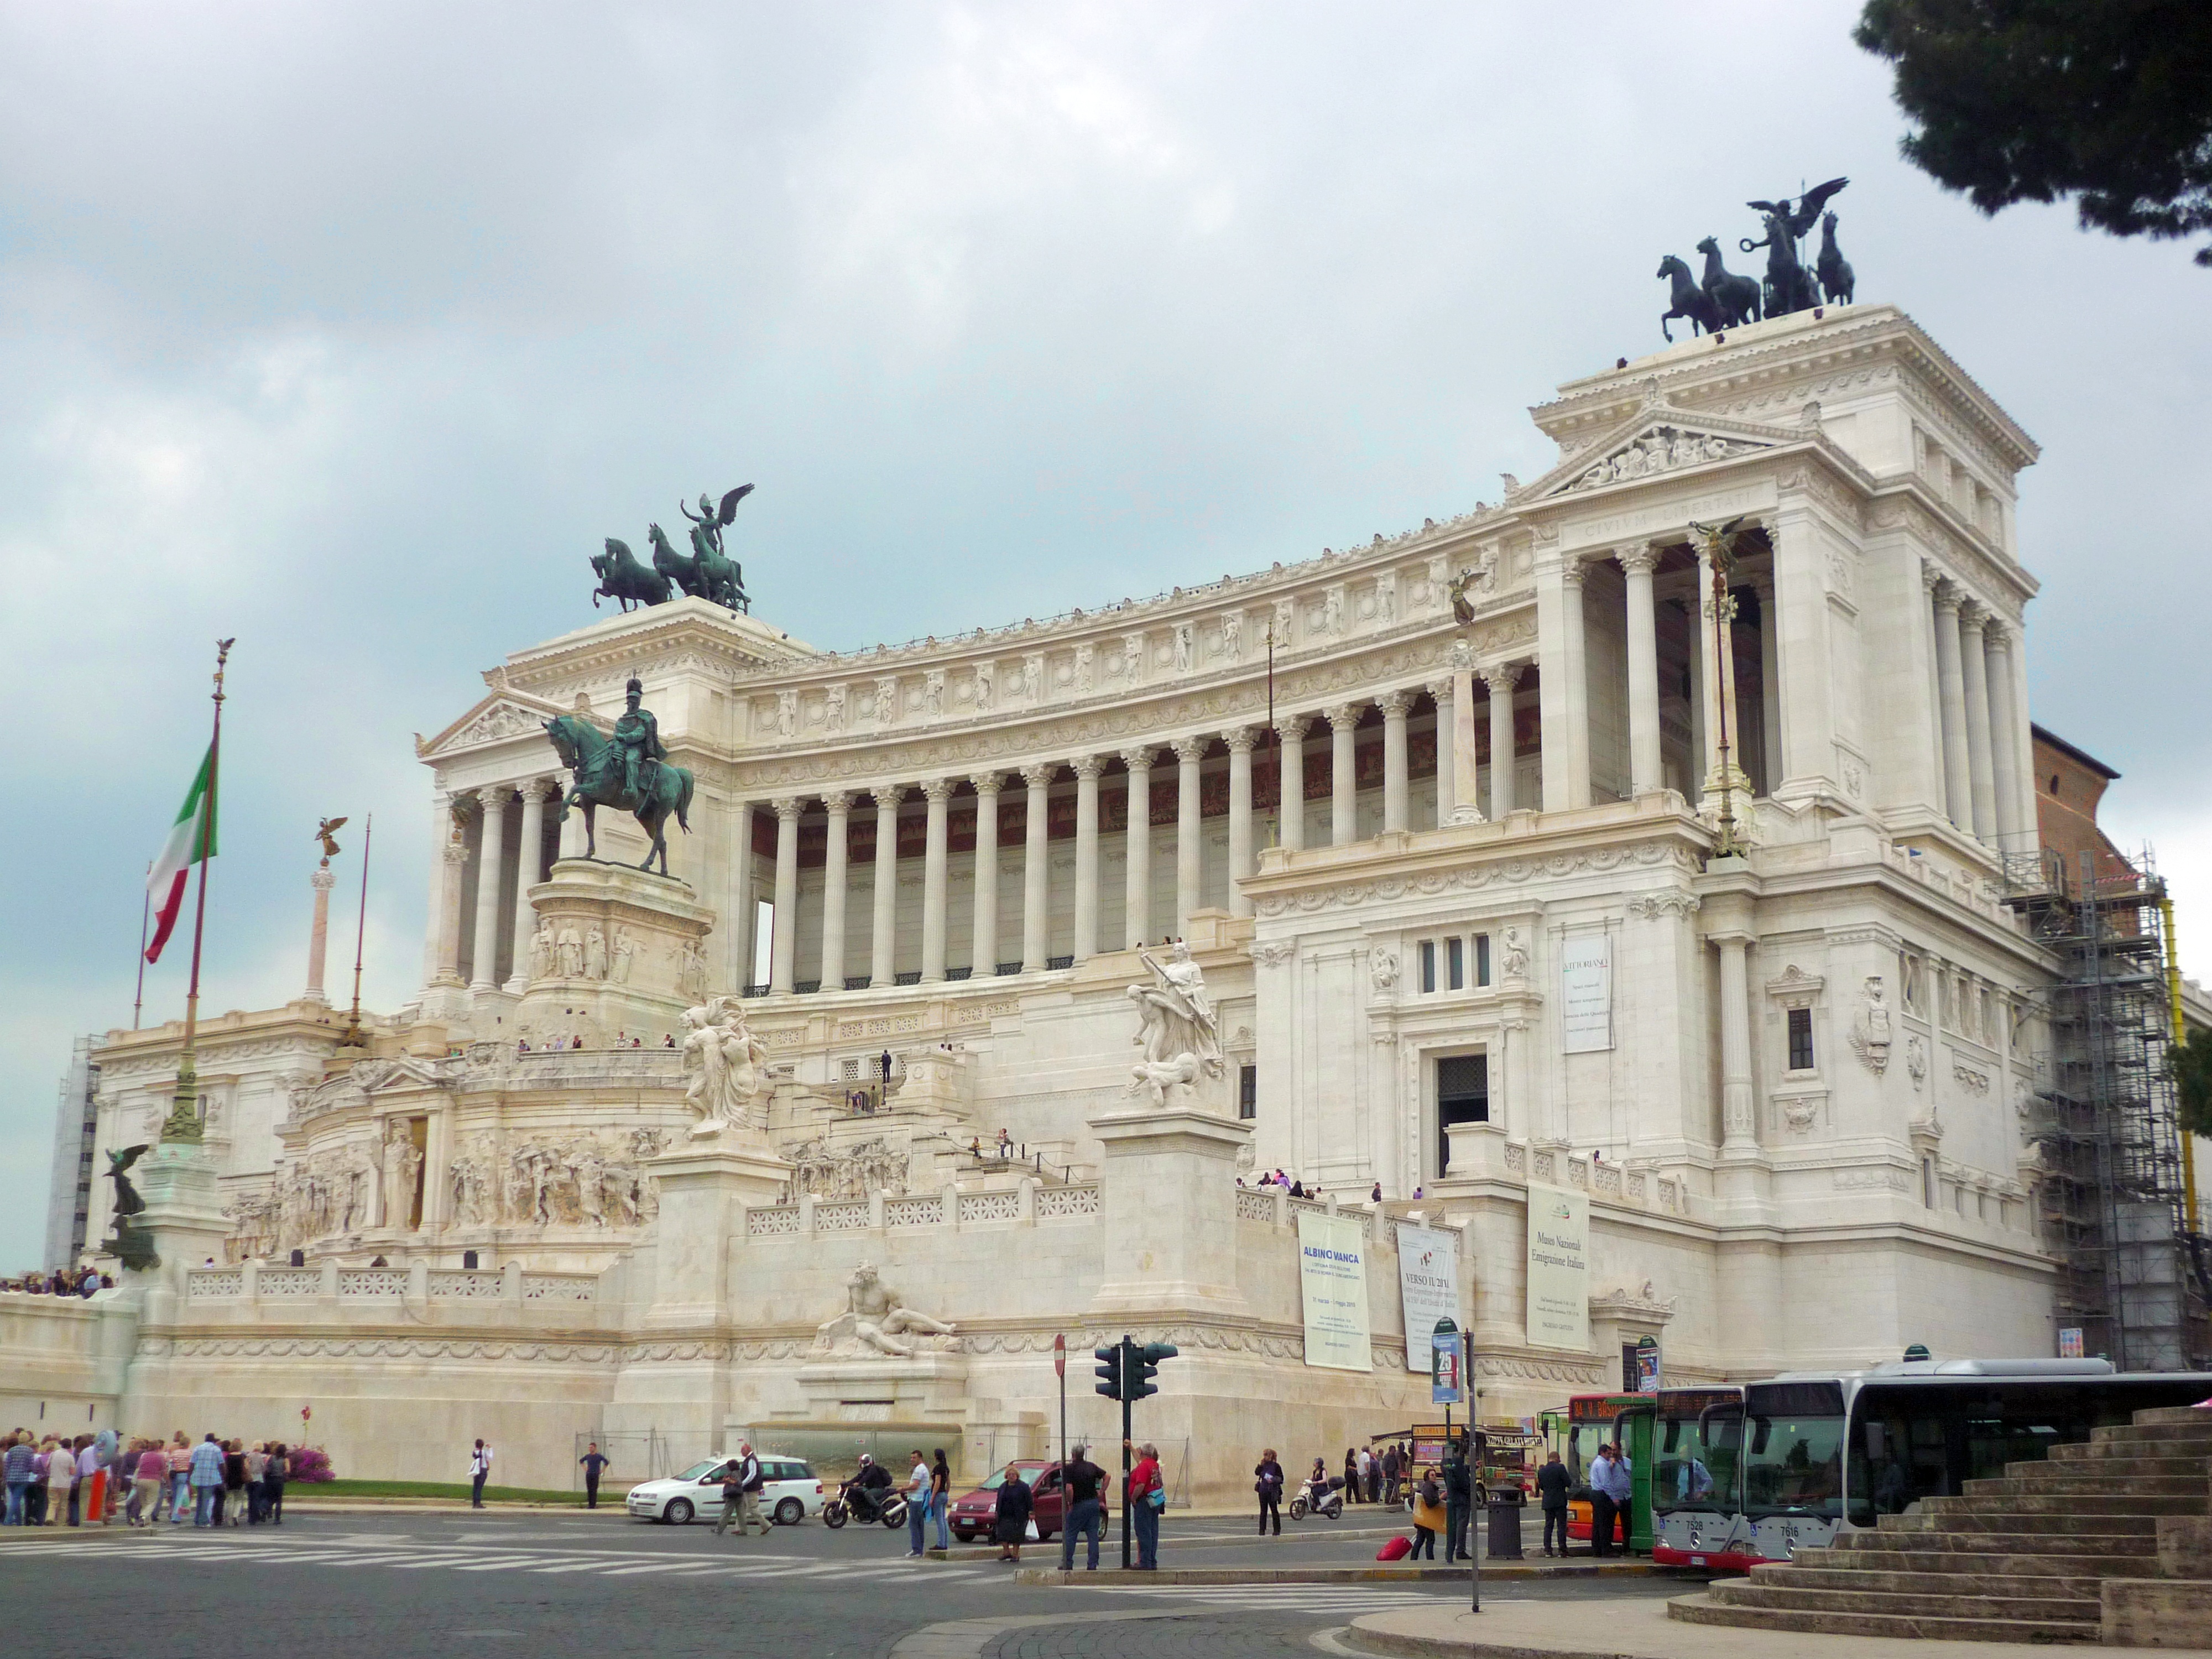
{"x":1344,"y":716}
{"x":1930,"y":577}
{"x":789,"y":807}
{"x":1949,"y":596}
{"x":1996,"y":635}
{"x":988,"y":783}
{"x":1572,"y":569}
{"x":456,"y":850}
{"x":1240,"y":739}
{"x":543,"y":789}
{"x":1638,"y":560}
{"x":1292,"y":728}
{"x":1973,"y":615}
{"x":1502,"y":677}
{"x":1191,"y":750}
{"x":1088,"y":766}
{"x":1138,"y":760}
{"x":1039,"y":775}
{"x":836,"y":801}
{"x":937,"y":791}
{"x":1395,"y":705}
{"x":887,"y":796}
{"x":1440,"y":689}
{"x":322,"y":878}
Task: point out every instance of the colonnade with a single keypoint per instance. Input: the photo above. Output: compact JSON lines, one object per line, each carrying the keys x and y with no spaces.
{"x":494,"y":857}
{"x":1977,"y":730}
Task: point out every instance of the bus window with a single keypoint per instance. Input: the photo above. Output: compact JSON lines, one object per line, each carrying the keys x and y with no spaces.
{"x":1695,"y":1471}
{"x":1794,"y":1462}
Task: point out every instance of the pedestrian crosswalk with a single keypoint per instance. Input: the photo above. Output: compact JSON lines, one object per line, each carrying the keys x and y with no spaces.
{"x":605,"y":1563}
{"x":1330,"y":1599}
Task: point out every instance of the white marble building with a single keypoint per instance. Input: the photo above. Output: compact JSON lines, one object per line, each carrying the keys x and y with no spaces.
{"x":1493,"y":940}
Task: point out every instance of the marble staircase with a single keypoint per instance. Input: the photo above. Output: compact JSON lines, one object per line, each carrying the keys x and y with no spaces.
{"x":2063,"y":1550}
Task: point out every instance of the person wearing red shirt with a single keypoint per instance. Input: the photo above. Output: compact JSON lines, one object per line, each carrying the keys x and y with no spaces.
{"x":1145,"y":1498}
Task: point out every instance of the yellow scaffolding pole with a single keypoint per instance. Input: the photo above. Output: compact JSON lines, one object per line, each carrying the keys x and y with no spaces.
{"x":2180,"y":1038}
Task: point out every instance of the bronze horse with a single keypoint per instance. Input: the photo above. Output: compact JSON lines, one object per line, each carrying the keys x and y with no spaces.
{"x":596,"y":765}
{"x":1736,"y":299}
{"x":1833,"y":270}
{"x":1687,"y":300}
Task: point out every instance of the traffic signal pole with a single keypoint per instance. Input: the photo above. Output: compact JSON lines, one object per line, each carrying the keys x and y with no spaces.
{"x":1129,"y":1354}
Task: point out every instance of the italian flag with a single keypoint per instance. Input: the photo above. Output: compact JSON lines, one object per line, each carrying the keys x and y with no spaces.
{"x":192,"y":838}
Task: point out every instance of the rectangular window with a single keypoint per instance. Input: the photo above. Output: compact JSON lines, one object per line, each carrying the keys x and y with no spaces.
{"x":1455,"y":963}
{"x":1428,"y":965}
{"x":1801,"y":1039}
{"x":1248,"y":1091}
{"x":763,"y":938}
{"x":1482,"y":958}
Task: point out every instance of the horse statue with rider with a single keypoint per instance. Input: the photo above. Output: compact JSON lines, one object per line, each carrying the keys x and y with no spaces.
{"x":705,"y":573}
{"x":1721,"y":300}
{"x":629,"y":771}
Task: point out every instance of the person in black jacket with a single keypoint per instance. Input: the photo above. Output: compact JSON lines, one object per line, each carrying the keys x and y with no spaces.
{"x":1551,"y":1486}
{"x":1459,"y":1498}
{"x":1267,"y":1481}
{"x":1012,"y":1522}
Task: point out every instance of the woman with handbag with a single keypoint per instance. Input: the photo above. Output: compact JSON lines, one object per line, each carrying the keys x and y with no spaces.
{"x":1428,"y":1515}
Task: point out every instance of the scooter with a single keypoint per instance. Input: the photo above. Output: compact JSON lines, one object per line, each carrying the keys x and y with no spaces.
{"x":859,"y":1503}
{"x":1324,"y":1498}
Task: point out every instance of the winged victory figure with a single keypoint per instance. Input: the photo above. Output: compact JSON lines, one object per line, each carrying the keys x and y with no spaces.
{"x":722,"y":577}
{"x":325,"y":832}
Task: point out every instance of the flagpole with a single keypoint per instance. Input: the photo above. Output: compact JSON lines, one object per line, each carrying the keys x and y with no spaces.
{"x":145,"y":916}
{"x":352,"y":1037}
{"x":184,"y":1123}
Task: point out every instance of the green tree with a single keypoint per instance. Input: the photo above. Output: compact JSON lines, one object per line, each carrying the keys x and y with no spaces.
{"x":2109,"y":101}
{"x":2192,"y":1078}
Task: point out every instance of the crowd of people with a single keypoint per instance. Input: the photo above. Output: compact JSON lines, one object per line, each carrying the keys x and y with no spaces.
{"x":88,"y":1480}
{"x":62,"y":1281}
{"x":623,"y":1040}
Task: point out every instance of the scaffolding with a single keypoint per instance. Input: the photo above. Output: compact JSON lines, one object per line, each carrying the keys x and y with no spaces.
{"x":2113,"y":1200}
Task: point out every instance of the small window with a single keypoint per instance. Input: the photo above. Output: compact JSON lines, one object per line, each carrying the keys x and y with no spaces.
{"x":1482,"y":958}
{"x":1801,"y":1039}
{"x":1455,"y":963}
{"x":2054,"y":783}
{"x":1248,"y":1091}
{"x":1428,"y":965}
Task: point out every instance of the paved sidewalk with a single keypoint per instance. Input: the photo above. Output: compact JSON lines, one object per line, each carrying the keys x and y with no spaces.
{"x":1371,"y":1573}
{"x":1637,"y":1629}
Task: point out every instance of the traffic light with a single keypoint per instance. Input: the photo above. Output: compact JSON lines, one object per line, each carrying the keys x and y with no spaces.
{"x":1110,"y":1370}
{"x":1145,"y":1366}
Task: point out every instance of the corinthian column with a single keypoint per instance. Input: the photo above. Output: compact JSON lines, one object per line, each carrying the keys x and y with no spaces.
{"x":1958,"y":768}
{"x":1636,"y":564}
{"x":984,"y":948}
{"x":1974,"y":669}
{"x":883,"y":942}
{"x":1575,"y":703}
{"x":783,"y":945}
{"x":454,"y":856}
{"x":840,"y":806}
{"x":1240,"y":742}
{"x":1087,"y":768}
{"x":937,"y":791}
{"x":491,"y":822}
{"x":1343,"y":780}
{"x":1036,"y":872}
{"x":1290,"y":791}
{"x":529,"y":857}
{"x":322,"y":879}
{"x":1137,"y":907}
{"x":1396,"y":806}
{"x":1440,"y":693}
{"x":2004,"y":740}
{"x":1501,"y":680}
{"x":1190,"y":752}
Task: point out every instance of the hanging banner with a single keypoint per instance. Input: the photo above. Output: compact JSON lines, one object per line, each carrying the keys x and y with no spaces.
{"x":1333,"y":1277}
{"x":1559,"y":1268}
{"x":1586,"y":992}
{"x":1428,"y":1287}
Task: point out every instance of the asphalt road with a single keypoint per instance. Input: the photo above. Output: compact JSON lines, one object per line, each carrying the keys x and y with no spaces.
{"x":397,"y":1586}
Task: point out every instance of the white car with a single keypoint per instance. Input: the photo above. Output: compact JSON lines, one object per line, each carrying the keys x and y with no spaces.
{"x":789,"y":1492}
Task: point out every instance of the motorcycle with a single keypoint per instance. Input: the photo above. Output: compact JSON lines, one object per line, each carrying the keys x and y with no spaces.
{"x":1325,"y":1499}
{"x":861,"y":1503}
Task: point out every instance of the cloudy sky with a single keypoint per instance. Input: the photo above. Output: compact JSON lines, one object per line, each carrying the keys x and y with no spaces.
{"x":350,"y":329}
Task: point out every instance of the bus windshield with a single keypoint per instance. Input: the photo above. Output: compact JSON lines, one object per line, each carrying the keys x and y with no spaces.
{"x":1793,"y":1464}
{"x":1697,"y":1468}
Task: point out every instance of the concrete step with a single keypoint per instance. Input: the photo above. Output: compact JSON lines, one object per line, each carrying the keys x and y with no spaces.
{"x":2160,"y":1416}
{"x":2030,"y":1609}
{"x":2122,"y":1547}
{"x":2184,"y":1482}
{"x":2113,"y":1465}
{"x":1705,"y":1610}
{"x":1981,"y":1561}
{"x":2195,"y":1435}
{"x":2157,"y":1613}
{"x":2067,"y":1506}
{"x":1810,"y":1576}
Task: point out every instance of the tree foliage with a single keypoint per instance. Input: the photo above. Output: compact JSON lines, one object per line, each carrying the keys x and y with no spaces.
{"x":2192,"y":1078}
{"x":2109,"y":101}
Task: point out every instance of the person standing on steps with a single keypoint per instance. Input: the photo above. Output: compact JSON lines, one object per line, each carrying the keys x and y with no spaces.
{"x":480,"y":1472}
{"x":1147,"y":1498}
{"x":1551,"y":1486}
{"x":1267,"y":1481}
{"x":1086,"y":1514}
{"x":595,"y":1465}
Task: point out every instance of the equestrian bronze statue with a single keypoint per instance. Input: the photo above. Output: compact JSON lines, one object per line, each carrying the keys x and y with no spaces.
{"x":629,"y":771}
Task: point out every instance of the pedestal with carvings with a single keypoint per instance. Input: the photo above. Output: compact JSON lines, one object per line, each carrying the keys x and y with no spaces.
{"x":647,"y":966}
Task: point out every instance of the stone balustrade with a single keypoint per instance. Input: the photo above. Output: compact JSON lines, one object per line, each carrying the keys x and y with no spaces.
{"x":254,"y":1282}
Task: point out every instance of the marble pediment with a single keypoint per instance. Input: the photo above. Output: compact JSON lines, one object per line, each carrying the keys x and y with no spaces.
{"x":359,"y":1083}
{"x":1658,"y":439}
{"x":502,"y":716}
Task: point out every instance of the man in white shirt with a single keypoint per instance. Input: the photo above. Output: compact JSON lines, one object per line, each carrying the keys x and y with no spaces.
{"x":1365,"y":1464}
{"x":479,"y":1472}
{"x":916,"y":1493}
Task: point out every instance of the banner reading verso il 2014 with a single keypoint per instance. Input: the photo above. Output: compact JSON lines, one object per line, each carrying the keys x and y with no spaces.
{"x":1428,"y":1287}
{"x":1333,"y":1275}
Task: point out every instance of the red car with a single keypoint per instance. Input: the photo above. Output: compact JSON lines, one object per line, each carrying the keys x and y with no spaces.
{"x":974,"y":1513}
